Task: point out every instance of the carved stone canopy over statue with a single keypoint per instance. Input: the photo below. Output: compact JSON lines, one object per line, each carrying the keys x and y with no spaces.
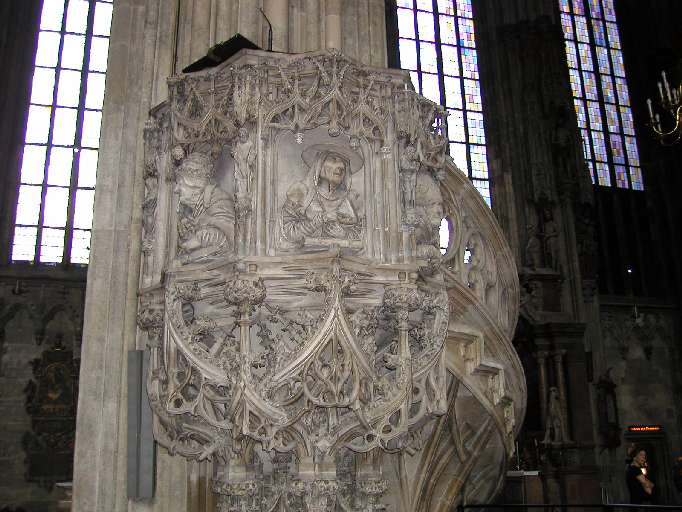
{"x":306,"y":334}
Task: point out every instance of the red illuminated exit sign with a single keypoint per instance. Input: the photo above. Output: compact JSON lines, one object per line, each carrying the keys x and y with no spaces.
{"x":645,"y":428}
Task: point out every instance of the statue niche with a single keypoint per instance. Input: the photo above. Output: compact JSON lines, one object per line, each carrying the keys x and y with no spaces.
{"x":205,"y":211}
{"x":320,"y":209}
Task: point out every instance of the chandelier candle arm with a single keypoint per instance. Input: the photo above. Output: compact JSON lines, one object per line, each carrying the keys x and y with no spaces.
{"x":670,"y":101}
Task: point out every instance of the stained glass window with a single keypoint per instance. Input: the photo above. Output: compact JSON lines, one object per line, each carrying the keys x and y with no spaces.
{"x":600,"y":92}
{"x":59,"y":163}
{"x":437,"y":45}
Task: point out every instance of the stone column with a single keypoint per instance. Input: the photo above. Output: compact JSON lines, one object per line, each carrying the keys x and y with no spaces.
{"x":150,"y":41}
{"x":140,"y":59}
{"x":277,"y":12}
{"x":541,"y":356}
{"x":333,"y":24}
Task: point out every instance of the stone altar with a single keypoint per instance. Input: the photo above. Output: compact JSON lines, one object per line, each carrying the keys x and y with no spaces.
{"x":307,"y":336}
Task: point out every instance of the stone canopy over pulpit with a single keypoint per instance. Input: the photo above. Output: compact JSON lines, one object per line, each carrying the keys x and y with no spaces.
{"x":307,"y":334}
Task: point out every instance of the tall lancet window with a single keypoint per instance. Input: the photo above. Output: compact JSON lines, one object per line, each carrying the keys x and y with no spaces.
{"x":437,"y":46}
{"x":600,"y":92}
{"x":59,"y":162}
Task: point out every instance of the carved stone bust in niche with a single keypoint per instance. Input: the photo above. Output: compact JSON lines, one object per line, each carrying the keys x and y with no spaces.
{"x":205,"y":211}
{"x":320,"y":208}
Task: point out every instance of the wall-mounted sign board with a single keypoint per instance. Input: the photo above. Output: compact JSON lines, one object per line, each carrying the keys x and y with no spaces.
{"x":640,"y":429}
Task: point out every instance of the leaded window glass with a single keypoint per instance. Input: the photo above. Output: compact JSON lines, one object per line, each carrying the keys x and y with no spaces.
{"x":59,"y":162}
{"x":437,"y":45}
{"x":600,"y":92}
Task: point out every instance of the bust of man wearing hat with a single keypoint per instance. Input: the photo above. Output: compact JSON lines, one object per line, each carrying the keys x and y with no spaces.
{"x":206,"y":212}
{"x":320,"y":207}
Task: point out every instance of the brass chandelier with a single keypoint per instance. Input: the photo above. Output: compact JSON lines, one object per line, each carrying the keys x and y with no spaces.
{"x":671,"y":103}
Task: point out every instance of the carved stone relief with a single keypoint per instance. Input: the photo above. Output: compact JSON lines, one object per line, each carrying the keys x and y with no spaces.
{"x":305,"y":331}
{"x":322,"y":208}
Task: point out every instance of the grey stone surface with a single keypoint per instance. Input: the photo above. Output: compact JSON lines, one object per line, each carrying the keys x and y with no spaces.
{"x":307,"y":336}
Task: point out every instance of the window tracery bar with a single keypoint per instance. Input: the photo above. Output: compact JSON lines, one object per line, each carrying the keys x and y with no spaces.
{"x":59,"y":161}
{"x":600,"y":92}
{"x":437,"y":46}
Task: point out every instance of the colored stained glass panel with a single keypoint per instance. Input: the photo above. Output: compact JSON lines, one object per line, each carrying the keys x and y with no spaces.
{"x":603,"y":60}
{"x":567,"y":24}
{"x":571,"y":55}
{"x":585,"y":56}
{"x":466,"y":32}
{"x":612,"y":118}
{"x":607,"y":88}
{"x":472,"y":94}
{"x":617,"y":59}
{"x":581,"y":29}
{"x":483,"y":188}
{"x":623,"y":94}
{"x":621,"y":176}
{"x":636,"y":178}
{"x":603,"y":176}
{"x":580,"y":113}
{"x":609,"y":10}
{"x":595,"y":8}
{"x":476,"y":130}
{"x":479,"y":162}
{"x":599,"y":33}
{"x":469,"y":63}
{"x":590,"y":85}
{"x":633,"y":154}
{"x":464,"y":8}
{"x":617,"y":148}
{"x":578,"y":7}
{"x":599,"y":146}
{"x":614,"y":37}
{"x":595,"y":115}
{"x":628,"y":124}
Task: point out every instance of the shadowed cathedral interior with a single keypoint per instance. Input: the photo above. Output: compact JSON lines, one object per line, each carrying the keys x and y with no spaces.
{"x":544,"y":110}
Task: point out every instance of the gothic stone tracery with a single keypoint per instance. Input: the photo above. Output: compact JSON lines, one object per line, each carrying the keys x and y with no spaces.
{"x":306,"y":334}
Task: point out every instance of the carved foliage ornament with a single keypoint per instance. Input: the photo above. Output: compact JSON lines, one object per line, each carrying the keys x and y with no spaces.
{"x":293,"y":298}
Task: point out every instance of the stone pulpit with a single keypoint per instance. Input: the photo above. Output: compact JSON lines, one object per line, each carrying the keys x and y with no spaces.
{"x":310,"y":332}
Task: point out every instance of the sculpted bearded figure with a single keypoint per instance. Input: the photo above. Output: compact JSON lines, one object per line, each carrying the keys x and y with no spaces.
{"x":205,"y":211}
{"x":320,"y":207}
